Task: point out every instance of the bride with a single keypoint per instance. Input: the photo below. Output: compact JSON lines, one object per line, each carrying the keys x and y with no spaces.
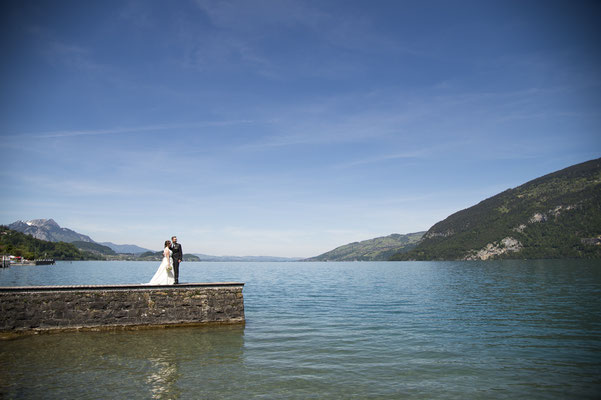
{"x":164,"y":275}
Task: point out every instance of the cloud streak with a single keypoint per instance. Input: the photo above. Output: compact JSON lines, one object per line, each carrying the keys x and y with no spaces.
{"x":134,"y":129}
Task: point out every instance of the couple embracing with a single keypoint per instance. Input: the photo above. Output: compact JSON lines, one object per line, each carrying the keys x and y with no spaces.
{"x":168,"y":272}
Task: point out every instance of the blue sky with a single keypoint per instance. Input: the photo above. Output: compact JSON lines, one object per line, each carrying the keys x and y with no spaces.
{"x":284,"y":127}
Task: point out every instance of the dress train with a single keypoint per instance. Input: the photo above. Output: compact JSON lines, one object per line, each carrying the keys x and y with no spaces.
{"x":164,"y":274}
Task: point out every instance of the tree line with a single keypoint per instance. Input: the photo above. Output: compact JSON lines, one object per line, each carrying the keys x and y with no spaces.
{"x":21,"y":245}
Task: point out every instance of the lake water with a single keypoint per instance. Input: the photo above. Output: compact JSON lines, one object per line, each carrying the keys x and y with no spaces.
{"x":398,"y":330}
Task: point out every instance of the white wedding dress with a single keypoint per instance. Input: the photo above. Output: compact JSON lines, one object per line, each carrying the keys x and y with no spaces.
{"x":164,"y":275}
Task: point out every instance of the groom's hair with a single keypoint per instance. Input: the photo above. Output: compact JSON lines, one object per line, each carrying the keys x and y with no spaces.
{"x":173,"y":237}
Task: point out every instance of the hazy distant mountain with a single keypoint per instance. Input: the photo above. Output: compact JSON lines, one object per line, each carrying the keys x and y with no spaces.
{"x":158,"y":255}
{"x":94,"y":248}
{"x":49,"y":230}
{"x":204,"y":257}
{"x":125,"y":248}
{"x":378,"y":249}
{"x":555,"y":216}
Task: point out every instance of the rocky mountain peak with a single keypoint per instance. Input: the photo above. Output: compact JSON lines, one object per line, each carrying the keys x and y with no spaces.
{"x":49,"y":230}
{"x":50,"y":223}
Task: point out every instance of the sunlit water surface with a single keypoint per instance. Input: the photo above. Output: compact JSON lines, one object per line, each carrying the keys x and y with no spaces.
{"x":417,"y":330}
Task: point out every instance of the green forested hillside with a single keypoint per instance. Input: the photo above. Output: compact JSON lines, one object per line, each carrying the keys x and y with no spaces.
{"x":378,"y":249}
{"x":555,"y":216}
{"x":22,"y":245}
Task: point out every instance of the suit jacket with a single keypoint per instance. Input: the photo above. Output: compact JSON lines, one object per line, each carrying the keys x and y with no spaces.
{"x":178,"y":253}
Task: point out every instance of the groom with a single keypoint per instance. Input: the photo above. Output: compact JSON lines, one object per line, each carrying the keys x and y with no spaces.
{"x":178,"y":256}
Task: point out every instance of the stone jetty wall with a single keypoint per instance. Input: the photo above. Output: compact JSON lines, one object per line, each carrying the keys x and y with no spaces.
{"x":47,"y":308}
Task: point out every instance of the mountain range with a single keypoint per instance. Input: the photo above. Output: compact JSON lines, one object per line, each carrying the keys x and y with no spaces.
{"x":378,"y":249}
{"x":125,"y":248}
{"x":555,"y":216}
{"x":205,"y":257}
{"x":48,"y":230}
{"x":24,"y":245}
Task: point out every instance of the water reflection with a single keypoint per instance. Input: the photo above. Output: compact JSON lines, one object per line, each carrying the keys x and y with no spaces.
{"x":158,"y":363}
{"x":163,"y":381}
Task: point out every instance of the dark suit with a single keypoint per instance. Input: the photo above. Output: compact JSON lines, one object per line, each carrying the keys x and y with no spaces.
{"x":177,"y":255}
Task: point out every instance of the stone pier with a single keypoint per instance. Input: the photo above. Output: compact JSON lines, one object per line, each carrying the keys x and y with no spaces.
{"x":38,"y":309}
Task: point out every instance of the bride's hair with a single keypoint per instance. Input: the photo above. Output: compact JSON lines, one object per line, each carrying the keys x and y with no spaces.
{"x":167,"y":243}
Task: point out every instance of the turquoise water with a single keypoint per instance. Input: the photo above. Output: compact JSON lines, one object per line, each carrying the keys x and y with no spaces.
{"x":415,"y":330}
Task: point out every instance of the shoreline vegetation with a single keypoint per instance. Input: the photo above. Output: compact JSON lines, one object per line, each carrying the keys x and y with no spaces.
{"x":23,"y":245}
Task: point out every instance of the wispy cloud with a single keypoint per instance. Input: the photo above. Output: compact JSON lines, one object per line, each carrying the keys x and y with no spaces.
{"x":387,"y":157}
{"x":134,"y":129}
{"x":84,"y":188}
